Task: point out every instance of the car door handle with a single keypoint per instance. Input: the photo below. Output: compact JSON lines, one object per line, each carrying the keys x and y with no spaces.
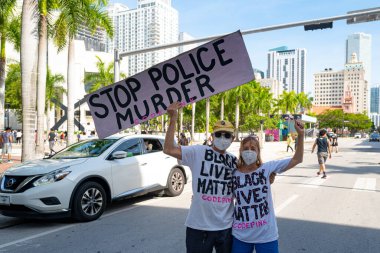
{"x":143,"y":164}
{"x":167,"y":157}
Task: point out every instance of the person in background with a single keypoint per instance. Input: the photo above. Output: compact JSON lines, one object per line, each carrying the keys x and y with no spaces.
{"x":323,"y":151}
{"x":289,"y":142}
{"x":51,"y":139}
{"x":334,"y":143}
{"x":7,"y":140}
{"x":183,"y":140}
{"x":18,"y":136}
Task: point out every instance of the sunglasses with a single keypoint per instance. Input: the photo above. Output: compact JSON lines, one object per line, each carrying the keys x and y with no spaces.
{"x":226,"y":135}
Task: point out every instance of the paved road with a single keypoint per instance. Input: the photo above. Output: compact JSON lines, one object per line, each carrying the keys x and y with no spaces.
{"x":338,"y":214}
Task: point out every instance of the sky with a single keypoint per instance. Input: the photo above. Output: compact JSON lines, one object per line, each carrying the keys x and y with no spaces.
{"x":325,"y":48}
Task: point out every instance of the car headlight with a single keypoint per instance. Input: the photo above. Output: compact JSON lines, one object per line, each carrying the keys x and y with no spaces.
{"x":52,"y":177}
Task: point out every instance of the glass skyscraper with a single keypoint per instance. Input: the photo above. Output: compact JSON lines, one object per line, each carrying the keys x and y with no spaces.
{"x":375,"y":97}
{"x":360,"y":43}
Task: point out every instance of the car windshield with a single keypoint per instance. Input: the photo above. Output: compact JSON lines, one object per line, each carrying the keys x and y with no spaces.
{"x":90,"y":148}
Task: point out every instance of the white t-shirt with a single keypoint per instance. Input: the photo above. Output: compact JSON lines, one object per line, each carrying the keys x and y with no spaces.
{"x":212,"y":203}
{"x":254,"y":217}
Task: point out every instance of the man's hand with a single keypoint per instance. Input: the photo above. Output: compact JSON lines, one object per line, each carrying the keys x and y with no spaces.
{"x":173,"y":109}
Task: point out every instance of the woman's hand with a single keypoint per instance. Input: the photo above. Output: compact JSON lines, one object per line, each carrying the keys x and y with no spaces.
{"x":299,"y":126}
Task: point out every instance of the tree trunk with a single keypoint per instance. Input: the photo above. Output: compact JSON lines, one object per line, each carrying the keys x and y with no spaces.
{"x":70,"y":92}
{"x":48,"y":112}
{"x":222,"y":109}
{"x":237,"y":119}
{"x":29,"y":46}
{"x":207,"y":116}
{"x":2,"y":80}
{"x":192,"y":120}
{"x":41,"y":85}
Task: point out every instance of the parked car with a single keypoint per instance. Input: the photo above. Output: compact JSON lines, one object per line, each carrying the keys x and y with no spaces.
{"x":374,"y":137}
{"x":358,"y":136}
{"x":81,"y":180}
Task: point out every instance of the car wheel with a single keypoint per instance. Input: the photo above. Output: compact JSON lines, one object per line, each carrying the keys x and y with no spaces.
{"x":176,"y":183}
{"x":89,"y":202}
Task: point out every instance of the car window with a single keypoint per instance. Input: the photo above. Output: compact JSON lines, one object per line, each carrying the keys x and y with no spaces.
{"x":152,"y":145}
{"x":132,"y":147}
{"x":91,"y":148}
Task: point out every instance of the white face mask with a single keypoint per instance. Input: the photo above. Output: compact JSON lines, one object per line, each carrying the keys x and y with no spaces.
{"x":222,"y":143}
{"x":249,"y":156}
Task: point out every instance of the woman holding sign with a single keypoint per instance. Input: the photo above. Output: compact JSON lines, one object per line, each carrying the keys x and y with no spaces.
{"x":254,"y":226}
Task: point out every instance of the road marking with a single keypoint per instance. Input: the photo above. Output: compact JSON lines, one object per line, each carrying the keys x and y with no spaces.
{"x":313,"y":182}
{"x":286,"y":203}
{"x":35,"y":236}
{"x":365,"y":184}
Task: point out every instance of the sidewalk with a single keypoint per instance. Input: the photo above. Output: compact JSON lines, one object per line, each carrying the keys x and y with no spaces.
{"x":271,"y":151}
{"x":16,"y":155}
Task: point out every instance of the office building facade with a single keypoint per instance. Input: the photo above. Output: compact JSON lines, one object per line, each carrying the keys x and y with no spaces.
{"x":288,"y":67}
{"x":152,"y":23}
{"x":328,"y":87}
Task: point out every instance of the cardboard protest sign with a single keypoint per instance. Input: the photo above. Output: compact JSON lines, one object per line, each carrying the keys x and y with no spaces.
{"x":204,"y":71}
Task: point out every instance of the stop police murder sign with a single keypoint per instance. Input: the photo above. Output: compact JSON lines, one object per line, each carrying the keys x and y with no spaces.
{"x":204,"y":71}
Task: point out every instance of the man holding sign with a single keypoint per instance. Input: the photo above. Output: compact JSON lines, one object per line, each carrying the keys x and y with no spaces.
{"x":204,"y":71}
{"x":210,"y":216}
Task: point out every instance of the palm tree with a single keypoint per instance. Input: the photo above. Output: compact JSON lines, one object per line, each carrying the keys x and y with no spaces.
{"x":234,"y":96}
{"x":29,"y":47}
{"x":53,"y":91}
{"x":6,"y":12}
{"x":304,"y":102}
{"x":104,"y":77}
{"x":13,"y":86}
{"x":45,"y":9}
{"x":262,"y":100}
{"x":73,"y":14}
{"x":288,"y":101}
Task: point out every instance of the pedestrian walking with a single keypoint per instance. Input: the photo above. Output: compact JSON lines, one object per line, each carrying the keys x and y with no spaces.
{"x":209,"y":219}
{"x":51,"y":139}
{"x":254,"y":222}
{"x":6,"y":140}
{"x":334,"y":143}
{"x":289,"y":142}
{"x":18,"y":136}
{"x":323,"y":151}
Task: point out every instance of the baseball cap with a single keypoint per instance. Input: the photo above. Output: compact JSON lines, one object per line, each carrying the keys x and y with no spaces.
{"x":223,"y":126}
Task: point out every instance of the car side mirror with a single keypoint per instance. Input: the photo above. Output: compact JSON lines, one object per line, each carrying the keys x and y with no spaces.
{"x":119,"y":155}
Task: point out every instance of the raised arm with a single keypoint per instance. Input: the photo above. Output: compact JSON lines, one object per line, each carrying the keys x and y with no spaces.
{"x":298,"y":155}
{"x":169,"y":147}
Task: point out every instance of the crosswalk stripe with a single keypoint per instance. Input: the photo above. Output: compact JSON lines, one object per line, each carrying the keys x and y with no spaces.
{"x":285,"y":203}
{"x":314,"y":182}
{"x":365,"y":184}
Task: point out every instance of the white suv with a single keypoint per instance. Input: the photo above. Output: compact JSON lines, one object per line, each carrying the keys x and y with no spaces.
{"x":82,"y":179}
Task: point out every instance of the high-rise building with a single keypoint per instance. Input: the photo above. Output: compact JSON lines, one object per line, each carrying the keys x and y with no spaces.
{"x":375,"y":100}
{"x":273,"y":84}
{"x":355,"y":87}
{"x":360,"y":44}
{"x":328,"y":87}
{"x":288,"y":67}
{"x":152,"y":23}
{"x":93,"y":41}
{"x":184,"y":37}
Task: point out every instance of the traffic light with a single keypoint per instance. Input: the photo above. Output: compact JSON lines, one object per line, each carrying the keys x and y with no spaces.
{"x":318,"y":26}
